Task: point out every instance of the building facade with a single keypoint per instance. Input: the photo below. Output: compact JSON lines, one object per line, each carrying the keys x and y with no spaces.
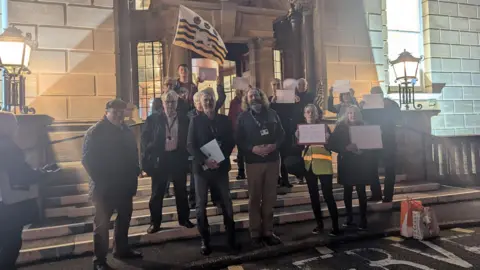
{"x":90,"y":51}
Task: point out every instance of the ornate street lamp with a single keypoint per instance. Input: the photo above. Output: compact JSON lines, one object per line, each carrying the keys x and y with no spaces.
{"x":15,"y":50}
{"x":405,"y":68}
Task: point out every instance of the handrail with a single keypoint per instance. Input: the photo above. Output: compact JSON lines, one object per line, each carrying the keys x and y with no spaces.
{"x":83,"y":135}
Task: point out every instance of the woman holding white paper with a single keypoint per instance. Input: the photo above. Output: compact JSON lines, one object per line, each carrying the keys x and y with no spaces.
{"x":354,"y":165}
{"x":346,"y":100}
{"x":318,"y":166}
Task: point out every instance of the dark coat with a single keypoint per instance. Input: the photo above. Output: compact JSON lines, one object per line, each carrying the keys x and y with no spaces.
{"x":110,"y":156}
{"x":387,"y":118}
{"x":248,"y":134}
{"x":353,"y":169}
{"x":153,"y":142}
{"x":203,"y":130}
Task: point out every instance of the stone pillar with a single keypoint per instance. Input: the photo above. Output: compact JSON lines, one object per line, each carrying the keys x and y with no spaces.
{"x":177,"y":56}
{"x":309,"y":46}
{"x":3,"y":25}
{"x":123,"y":48}
{"x":320,"y":55}
{"x":261,"y":63}
{"x":297,"y":54}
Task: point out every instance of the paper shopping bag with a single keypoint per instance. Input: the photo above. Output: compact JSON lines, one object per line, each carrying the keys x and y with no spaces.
{"x":425,"y":224}
{"x":406,"y":216}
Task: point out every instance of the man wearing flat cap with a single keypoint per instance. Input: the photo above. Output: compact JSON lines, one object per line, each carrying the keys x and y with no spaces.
{"x":110,"y":157}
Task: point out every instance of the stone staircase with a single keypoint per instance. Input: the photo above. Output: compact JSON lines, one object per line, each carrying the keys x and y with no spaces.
{"x":68,"y":225}
{"x":67,"y":229}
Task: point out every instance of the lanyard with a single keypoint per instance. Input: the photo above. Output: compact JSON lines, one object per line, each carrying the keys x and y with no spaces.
{"x":169,"y":127}
{"x":256,"y":121}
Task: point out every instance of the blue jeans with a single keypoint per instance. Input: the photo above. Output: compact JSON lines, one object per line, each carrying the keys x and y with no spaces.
{"x":219,"y":184}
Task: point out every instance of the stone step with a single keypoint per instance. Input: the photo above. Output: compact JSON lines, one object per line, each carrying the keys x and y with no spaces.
{"x":86,"y":209}
{"x":143,"y":187}
{"x":80,"y":244}
{"x":74,"y":173}
{"x":76,"y":225}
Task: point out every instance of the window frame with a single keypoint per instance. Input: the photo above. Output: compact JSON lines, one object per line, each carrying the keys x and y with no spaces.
{"x":419,"y":33}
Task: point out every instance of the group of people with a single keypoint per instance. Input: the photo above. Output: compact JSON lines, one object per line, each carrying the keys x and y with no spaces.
{"x":265,"y":134}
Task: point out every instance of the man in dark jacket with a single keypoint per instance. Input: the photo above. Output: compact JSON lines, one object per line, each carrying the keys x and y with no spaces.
{"x":205,"y":128}
{"x":387,"y":118}
{"x":191,"y":114}
{"x":259,"y":135}
{"x":110,"y":157}
{"x":164,"y":155}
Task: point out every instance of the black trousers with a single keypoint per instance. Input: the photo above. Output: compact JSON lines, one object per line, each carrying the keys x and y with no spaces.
{"x":104,"y":209}
{"x":327,"y":191}
{"x":214,"y":197}
{"x":219,"y":184}
{"x":362,"y":198}
{"x":388,"y":159}
{"x":240,"y":162}
{"x":283,"y":179}
{"x":170,"y":170}
{"x":10,"y":237}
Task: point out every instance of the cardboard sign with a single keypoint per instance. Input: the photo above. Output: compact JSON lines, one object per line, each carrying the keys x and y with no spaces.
{"x":373,"y":101}
{"x":207,"y":74}
{"x":366,"y":137}
{"x":241,"y":83}
{"x":312,"y":134}
{"x":285,"y":96}
{"x":290,"y":84}
{"x":341,"y":86}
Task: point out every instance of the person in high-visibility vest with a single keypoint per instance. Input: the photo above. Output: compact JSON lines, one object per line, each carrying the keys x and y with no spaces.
{"x":318,"y":166}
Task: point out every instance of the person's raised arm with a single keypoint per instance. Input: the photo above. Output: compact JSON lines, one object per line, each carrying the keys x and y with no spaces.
{"x":221,"y":97}
{"x":330,"y":106}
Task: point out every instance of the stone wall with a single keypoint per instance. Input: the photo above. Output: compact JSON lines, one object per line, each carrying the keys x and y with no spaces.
{"x":354,"y":43}
{"x":73,"y":69}
{"x":452,"y":55}
{"x":3,"y":25}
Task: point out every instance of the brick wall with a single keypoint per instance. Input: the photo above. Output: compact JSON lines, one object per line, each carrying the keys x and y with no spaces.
{"x":73,"y":69}
{"x":354,"y":37}
{"x":452,"y":55}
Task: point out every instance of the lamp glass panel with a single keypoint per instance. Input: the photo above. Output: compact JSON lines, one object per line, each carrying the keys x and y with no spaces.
{"x":397,"y":43}
{"x":28,"y":51}
{"x":11,"y":53}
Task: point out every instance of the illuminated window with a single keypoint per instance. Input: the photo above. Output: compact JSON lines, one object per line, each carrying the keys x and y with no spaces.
{"x":142,"y":4}
{"x":404,"y":32}
{"x":150,"y":70}
{"x":277,"y":65}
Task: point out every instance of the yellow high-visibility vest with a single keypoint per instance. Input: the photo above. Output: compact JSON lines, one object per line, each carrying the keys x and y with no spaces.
{"x":319,"y":160}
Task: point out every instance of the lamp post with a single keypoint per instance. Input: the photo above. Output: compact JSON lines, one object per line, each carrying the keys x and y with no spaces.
{"x":405,"y":68}
{"x":15,"y":50}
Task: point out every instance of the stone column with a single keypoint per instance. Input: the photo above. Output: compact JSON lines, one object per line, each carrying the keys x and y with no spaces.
{"x":297,"y":54}
{"x":176,"y":56}
{"x":123,"y":56}
{"x":309,"y":44}
{"x":261,"y":63}
{"x":320,"y":55}
{"x":3,"y":25}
